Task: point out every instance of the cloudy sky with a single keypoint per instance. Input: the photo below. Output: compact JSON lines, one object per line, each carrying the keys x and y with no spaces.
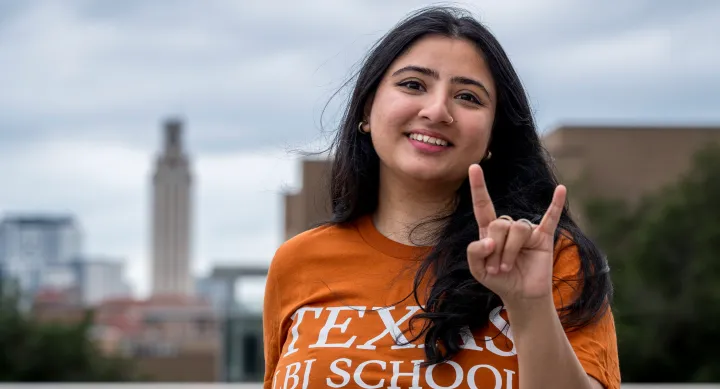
{"x":85,"y":86}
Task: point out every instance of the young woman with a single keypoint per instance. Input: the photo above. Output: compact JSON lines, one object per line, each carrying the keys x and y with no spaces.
{"x":451,"y":260}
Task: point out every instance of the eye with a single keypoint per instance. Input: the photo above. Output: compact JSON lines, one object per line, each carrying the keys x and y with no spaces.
{"x":470,"y":98}
{"x":411,"y":84}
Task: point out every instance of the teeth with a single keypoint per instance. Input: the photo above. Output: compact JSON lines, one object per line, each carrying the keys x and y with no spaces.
{"x":428,"y":139}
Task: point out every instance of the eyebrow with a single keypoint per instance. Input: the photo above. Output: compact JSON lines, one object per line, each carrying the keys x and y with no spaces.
{"x":434,"y":74}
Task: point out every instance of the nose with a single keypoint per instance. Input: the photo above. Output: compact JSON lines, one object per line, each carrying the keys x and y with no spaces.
{"x":436,"y":109}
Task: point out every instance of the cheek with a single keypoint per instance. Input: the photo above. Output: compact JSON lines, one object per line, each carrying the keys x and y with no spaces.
{"x":392,"y":111}
{"x":478,"y":138}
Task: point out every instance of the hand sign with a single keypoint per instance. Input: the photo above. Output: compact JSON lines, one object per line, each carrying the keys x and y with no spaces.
{"x":514,"y":259}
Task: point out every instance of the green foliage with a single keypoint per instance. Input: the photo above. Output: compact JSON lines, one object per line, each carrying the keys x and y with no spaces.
{"x":665,"y":259}
{"x":43,"y":352}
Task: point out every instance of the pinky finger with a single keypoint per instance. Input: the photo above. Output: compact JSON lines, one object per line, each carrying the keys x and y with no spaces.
{"x":550,"y":221}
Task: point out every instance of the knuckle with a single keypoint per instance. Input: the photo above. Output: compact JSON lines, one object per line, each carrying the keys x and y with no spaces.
{"x":499,"y":225}
{"x":520,"y":226}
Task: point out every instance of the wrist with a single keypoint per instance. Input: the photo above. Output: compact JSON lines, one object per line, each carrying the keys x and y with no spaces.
{"x":527,"y":313}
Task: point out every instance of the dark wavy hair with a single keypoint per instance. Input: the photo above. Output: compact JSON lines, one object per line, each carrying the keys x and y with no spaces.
{"x":519,"y":178}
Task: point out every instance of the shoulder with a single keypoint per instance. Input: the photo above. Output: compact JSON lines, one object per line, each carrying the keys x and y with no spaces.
{"x":566,"y":255}
{"x":309,"y":244}
{"x":579,"y":271}
{"x":567,"y":275}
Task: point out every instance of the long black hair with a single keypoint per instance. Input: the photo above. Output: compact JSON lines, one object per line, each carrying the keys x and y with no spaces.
{"x":519,"y":178}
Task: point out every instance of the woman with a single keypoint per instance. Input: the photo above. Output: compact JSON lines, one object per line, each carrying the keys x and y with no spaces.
{"x":451,"y":260}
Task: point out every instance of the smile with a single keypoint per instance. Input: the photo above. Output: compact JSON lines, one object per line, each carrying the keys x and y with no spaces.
{"x":428,"y":139}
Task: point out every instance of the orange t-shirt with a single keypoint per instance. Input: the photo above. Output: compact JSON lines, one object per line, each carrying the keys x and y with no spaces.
{"x":335,"y":303}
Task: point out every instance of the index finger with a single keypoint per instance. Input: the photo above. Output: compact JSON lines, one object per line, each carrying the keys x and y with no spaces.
{"x":482,"y":204}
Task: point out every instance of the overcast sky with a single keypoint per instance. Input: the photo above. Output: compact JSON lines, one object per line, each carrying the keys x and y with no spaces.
{"x":85,"y":86}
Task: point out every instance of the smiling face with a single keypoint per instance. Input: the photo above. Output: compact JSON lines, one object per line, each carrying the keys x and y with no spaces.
{"x":433,"y":111}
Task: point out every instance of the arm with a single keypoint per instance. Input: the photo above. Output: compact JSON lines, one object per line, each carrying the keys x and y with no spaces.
{"x":546,"y":358}
{"x":271,"y":328}
{"x":518,"y":261}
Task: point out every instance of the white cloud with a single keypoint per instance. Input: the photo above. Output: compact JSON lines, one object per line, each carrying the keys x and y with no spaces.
{"x":82,"y":66}
{"x":637,"y":54}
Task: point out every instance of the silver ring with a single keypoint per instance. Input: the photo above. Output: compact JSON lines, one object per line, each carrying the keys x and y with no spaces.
{"x":528,"y":222}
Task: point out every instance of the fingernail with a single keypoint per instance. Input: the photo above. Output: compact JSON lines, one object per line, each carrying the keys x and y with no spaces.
{"x":491,"y":269}
{"x":505,"y":267}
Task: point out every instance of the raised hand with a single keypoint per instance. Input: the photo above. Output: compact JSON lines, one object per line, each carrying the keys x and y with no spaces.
{"x":514,"y":259}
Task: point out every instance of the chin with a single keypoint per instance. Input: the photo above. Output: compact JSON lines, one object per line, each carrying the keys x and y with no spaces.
{"x":420,"y":172}
{"x":426,"y":177}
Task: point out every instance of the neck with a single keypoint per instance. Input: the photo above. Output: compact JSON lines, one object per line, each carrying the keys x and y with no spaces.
{"x":404,"y":204}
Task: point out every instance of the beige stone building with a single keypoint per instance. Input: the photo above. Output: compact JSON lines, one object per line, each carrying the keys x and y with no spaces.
{"x":171,"y":217}
{"x":310,"y":205}
{"x":622,"y":162}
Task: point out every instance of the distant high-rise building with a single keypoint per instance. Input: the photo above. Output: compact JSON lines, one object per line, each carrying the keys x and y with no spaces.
{"x":99,"y":279}
{"x":31,"y":245}
{"x":171,"y":217}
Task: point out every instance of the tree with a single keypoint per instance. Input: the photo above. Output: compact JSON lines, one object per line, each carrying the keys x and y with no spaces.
{"x":665,"y":259}
{"x":43,"y":352}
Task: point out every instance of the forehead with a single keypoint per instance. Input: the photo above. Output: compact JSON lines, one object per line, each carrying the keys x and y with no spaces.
{"x":450,"y":57}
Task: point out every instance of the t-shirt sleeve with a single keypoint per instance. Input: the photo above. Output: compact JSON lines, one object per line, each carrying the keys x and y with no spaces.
{"x":272,"y":336}
{"x":595,"y":344}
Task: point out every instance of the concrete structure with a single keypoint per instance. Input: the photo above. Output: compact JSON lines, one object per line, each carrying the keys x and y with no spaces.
{"x":242,"y":346}
{"x":623,"y":162}
{"x":310,"y":205}
{"x":213,"y":292}
{"x":33,"y":246}
{"x":100,"y":279}
{"x":82,"y":283}
{"x":171,"y":217}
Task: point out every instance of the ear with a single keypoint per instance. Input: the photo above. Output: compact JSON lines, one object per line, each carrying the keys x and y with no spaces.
{"x":367,"y":109}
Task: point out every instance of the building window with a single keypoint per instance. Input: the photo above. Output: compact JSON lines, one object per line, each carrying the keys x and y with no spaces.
{"x":251,"y":350}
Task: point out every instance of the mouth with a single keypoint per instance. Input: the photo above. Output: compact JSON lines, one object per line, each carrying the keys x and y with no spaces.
{"x":429,"y":139}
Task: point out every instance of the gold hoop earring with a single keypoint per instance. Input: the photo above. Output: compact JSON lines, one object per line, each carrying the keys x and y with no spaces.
{"x":360,"y":127}
{"x":488,"y":156}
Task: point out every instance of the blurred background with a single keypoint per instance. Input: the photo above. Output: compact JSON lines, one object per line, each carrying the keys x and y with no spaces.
{"x":151,"y":164}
